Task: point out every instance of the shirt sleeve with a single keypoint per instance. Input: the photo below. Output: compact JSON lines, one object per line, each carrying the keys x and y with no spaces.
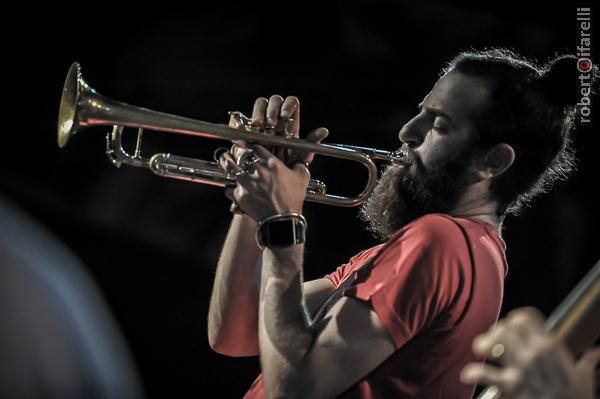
{"x":416,"y":277}
{"x":339,"y":275}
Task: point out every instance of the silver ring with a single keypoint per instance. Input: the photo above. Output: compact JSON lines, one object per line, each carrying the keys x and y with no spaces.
{"x":295,"y":161}
{"x":246,"y":162}
{"x":497,"y":351}
{"x":218,"y":152}
{"x":240,"y":172}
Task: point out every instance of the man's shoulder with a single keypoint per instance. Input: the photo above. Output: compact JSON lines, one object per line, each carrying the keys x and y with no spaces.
{"x":435,"y":237}
{"x":432,"y":236}
{"x":434,"y":228}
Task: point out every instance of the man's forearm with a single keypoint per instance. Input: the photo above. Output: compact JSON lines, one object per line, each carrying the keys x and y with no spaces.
{"x":233,"y":311}
{"x":284,"y":334}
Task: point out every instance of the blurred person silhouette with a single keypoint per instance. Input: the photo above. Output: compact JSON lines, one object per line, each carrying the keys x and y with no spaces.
{"x":58,"y":338}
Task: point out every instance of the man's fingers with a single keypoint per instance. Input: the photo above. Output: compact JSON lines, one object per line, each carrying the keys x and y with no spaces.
{"x":256,"y":173}
{"x":483,"y":344}
{"x":316,"y":136}
{"x":238,"y":149}
{"x":290,"y":110}
{"x":589,"y":360}
{"x":258,"y":111}
{"x":507,"y":379}
{"x":477,"y":373}
{"x":227,"y":162}
{"x":263,"y":154}
{"x":273,"y":110}
{"x":528,"y":322}
{"x":229,"y":192}
{"x":303,"y":169}
{"x":504,"y":345}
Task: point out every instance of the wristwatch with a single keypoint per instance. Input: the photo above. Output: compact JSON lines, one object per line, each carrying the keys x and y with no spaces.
{"x":281,"y":230}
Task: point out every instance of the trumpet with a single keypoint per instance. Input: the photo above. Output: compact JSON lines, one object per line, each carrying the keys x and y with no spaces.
{"x":81,"y":106}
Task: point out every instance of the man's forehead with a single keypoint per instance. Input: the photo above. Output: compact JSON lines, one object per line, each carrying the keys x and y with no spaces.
{"x":457,"y":95}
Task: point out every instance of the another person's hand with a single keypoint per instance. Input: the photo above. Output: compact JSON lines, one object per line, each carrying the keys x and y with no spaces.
{"x":265,"y":185}
{"x":531,"y":363}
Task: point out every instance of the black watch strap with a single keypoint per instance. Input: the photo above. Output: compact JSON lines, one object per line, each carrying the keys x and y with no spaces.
{"x":281,"y":230}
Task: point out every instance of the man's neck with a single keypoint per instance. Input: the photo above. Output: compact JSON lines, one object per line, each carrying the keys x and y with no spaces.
{"x":476,"y":204}
{"x":484,"y":212}
{"x":493,"y":220}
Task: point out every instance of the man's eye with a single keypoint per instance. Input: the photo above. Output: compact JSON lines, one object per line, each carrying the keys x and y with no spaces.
{"x":440,"y":129}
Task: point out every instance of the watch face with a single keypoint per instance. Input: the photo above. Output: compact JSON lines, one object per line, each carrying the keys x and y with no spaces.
{"x":280,"y":232}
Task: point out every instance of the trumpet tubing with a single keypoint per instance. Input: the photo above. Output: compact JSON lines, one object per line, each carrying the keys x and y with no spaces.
{"x":81,"y":106}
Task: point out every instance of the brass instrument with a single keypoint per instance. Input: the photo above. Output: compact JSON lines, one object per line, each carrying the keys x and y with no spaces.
{"x":81,"y":106}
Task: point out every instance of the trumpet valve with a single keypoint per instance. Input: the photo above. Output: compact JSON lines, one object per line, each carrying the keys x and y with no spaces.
{"x":111,"y":151}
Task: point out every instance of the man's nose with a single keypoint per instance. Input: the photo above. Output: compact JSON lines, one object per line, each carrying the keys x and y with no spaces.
{"x":413,"y":132}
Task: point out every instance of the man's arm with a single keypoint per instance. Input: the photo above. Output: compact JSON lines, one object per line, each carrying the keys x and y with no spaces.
{"x":233,"y":311}
{"x":298,"y":362}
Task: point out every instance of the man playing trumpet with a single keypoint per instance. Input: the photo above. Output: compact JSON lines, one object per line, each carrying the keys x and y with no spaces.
{"x":397,"y":320}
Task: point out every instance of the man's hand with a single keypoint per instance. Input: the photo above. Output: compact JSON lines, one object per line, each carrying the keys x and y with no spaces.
{"x":270,"y":187}
{"x":532,"y":363}
{"x":267,"y":186}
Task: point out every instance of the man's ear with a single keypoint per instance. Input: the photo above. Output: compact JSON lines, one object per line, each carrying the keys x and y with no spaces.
{"x":495,"y":161}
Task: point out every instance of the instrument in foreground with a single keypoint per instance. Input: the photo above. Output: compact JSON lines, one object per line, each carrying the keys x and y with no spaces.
{"x":575,"y":321}
{"x":81,"y":106}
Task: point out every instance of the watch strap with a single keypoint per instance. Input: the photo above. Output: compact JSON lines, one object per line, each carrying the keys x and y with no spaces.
{"x":281,"y":230}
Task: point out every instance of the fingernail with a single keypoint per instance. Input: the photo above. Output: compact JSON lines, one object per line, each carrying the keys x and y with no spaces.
{"x":468,"y":374}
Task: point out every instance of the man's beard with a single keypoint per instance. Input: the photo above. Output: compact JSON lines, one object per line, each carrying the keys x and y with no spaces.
{"x":401,"y":197}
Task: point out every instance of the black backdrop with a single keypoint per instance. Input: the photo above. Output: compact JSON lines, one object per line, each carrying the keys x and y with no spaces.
{"x":359,"y":68}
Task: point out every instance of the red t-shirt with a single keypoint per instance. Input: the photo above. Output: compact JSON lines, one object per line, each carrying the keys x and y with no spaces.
{"x":435,"y":285}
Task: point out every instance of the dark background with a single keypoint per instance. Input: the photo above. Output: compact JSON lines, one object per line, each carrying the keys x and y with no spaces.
{"x":359,"y":68}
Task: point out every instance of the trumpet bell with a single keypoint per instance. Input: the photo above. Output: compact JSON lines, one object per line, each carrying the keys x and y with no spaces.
{"x":67,"y":114}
